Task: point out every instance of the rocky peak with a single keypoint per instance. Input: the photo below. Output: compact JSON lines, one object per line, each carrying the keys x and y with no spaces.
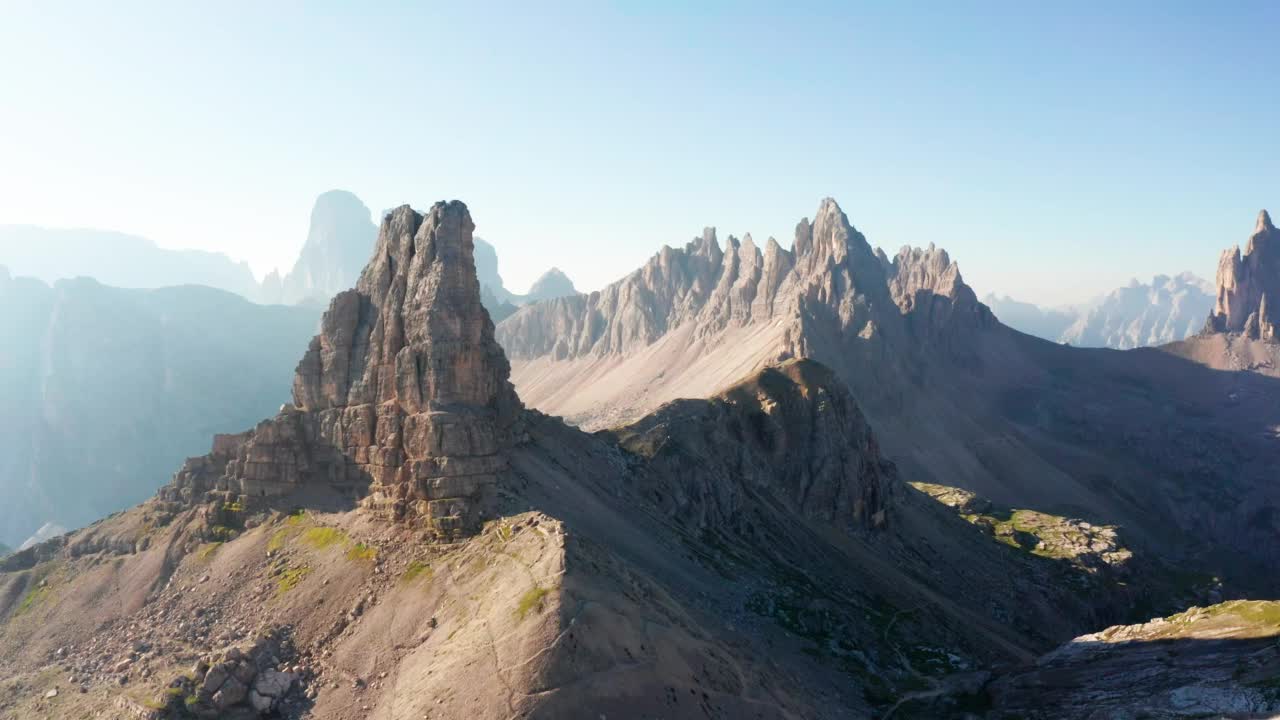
{"x":832,"y":273}
{"x":1263,"y":225}
{"x":927,"y":287}
{"x":553,"y":284}
{"x":336,"y":248}
{"x":403,"y":398}
{"x":1244,"y":283}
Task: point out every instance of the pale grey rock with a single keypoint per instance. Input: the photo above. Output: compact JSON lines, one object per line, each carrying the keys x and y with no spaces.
{"x":831,"y":270}
{"x":1141,"y":315}
{"x":551,"y":284}
{"x":1245,"y":282}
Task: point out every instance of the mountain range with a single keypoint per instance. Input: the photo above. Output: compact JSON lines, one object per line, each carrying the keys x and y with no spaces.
{"x":340,"y":237}
{"x":1165,"y":310}
{"x":808,"y":482}
{"x":105,"y":389}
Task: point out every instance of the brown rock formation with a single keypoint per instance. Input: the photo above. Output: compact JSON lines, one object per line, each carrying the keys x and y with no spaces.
{"x":791,"y":433}
{"x":1246,"y":282}
{"x":404,"y":392}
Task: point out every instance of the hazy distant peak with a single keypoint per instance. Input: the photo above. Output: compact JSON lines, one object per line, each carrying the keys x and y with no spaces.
{"x":553,"y":284}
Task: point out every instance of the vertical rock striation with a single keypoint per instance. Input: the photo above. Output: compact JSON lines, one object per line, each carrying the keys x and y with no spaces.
{"x":831,"y":272}
{"x":403,"y":398}
{"x":1248,"y":284}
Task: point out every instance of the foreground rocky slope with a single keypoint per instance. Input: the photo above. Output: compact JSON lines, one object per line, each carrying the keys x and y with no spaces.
{"x":1177,"y":453}
{"x":103,"y":390}
{"x":407,"y":540}
{"x":1217,"y":661}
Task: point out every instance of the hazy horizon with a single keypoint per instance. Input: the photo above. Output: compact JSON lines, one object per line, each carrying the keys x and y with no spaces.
{"x":1056,"y":153}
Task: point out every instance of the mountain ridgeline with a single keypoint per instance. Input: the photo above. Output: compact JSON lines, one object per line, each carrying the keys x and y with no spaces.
{"x":105,"y":389}
{"x":822,"y":483}
{"x":1163,"y":311}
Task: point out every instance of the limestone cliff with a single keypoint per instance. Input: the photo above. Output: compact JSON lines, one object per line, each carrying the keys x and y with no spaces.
{"x":401,"y":400}
{"x":831,"y":271}
{"x":1247,"y":284}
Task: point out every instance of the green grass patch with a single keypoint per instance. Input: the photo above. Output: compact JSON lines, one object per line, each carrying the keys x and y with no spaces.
{"x":278,"y":539}
{"x":417,"y":569}
{"x":324,"y":536}
{"x":290,"y":578}
{"x":234,"y":507}
{"x":40,"y":590}
{"x":297,"y":518}
{"x":34,"y":598}
{"x":1255,"y":613}
{"x":530,"y":600}
{"x":362,"y":552}
{"x":222,"y":533}
{"x":208,"y":550}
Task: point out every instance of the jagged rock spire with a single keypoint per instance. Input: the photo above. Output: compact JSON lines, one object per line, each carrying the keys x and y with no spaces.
{"x":1245,"y":280}
{"x":403,"y":398}
{"x":1264,"y":223}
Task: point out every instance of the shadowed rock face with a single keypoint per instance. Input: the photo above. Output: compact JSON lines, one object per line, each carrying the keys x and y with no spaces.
{"x":792,"y":432}
{"x":1248,"y":283}
{"x":403,"y":397}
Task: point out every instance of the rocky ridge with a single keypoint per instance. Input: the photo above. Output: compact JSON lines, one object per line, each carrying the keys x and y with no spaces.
{"x":1216,"y":661}
{"x":830,"y":271}
{"x":957,"y":398}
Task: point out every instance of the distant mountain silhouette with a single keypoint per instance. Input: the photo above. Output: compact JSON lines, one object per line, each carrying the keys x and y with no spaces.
{"x":103,"y":391}
{"x":117,"y":259}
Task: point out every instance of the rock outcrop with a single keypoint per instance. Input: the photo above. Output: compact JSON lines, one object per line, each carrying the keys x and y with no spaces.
{"x":402,"y":400}
{"x":793,"y":433}
{"x":1248,"y":284}
{"x":1216,"y":661}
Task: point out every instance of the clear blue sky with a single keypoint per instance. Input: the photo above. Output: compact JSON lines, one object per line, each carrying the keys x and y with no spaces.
{"x":1055,"y":151}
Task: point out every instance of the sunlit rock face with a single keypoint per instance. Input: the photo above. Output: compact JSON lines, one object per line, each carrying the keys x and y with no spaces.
{"x":1248,"y":283}
{"x":403,"y":398}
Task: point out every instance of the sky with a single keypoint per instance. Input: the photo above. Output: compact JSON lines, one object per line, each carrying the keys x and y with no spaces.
{"x":1056,"y":150}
